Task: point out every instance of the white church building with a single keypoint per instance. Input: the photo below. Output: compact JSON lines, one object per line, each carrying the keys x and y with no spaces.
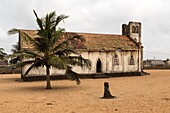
{"x":110,"y":54}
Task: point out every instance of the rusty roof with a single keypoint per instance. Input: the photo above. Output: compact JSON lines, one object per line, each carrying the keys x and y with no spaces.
{"x":93,"y":42}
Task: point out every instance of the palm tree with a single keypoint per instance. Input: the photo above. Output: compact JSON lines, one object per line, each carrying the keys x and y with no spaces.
{"x":13,"y":58}
{"x":50,"y":50}
{"x":2,"y":56}
{"x":15,"y":49}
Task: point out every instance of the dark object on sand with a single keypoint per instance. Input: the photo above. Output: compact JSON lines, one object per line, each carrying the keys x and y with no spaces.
{"x":107,"y":94}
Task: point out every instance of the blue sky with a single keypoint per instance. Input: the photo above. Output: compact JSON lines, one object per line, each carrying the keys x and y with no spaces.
{"x":94,"y":16}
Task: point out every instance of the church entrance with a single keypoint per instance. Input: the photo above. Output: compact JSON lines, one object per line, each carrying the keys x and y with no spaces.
{"x":99,"y":66}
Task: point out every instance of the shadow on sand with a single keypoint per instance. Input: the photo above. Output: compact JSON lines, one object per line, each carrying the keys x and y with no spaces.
{"x":39,"y":88}
{"x":43,"y":88}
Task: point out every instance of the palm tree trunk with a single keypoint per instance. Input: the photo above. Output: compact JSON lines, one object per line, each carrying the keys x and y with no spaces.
{"x":48,"y":78}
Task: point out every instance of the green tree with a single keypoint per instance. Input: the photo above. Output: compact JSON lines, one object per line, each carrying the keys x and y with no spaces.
{"x":14,"y":59}
{"x":50,"y":50}
{"x":3,"y":56}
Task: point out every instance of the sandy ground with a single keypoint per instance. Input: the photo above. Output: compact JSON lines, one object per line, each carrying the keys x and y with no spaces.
{"x":139,"y":94}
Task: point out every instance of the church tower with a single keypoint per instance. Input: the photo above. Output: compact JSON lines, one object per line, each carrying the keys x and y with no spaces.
{"x":132,"y":30}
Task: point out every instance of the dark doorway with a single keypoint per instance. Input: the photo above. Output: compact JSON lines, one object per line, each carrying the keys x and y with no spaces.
{"x":99,"y":66}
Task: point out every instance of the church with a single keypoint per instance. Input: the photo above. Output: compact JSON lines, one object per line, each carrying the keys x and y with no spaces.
{"x":110,"y":54}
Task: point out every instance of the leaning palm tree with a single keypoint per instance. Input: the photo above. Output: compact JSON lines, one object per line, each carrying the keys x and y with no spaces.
{"x":50,"y":50}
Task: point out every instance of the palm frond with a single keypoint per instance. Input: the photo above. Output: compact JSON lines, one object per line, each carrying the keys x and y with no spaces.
{"x":57,"y":63}
{"x":52,"y":15}
{"x":41,"y":44}
{"x":57,"y":35}
{"x":15,"y":55}
{"x":24,"y":63}
{"x":79,"y":61}
{"x":15,"y":48}
{"x":51,"y":20}
{"x":27,"y":54}
{"x":60,"y":18}
{"x":29,"y":69}
{"x":2,"y":54}
{"x":1,"y":49}
{"x":13,"y":31}
{"x":72,"y":75}
{"x":14,"y":60}
{"x":39,"y":21}
{"x":65,"y":51}
{"x":37,"y":63}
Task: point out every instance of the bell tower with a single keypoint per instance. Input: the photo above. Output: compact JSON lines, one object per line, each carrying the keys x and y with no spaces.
{"x":132,"y":30}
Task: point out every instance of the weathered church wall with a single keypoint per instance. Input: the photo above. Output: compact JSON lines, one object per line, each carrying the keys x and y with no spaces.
{"x":107,"y":63}
{"x":93,"y":57}
{"x":127,"y":66}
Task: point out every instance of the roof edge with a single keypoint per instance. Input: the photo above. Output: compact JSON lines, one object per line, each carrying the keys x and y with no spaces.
{"x":95,"y":33}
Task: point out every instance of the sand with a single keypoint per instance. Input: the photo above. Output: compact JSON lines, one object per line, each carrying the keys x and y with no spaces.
{"x":137,"y":94}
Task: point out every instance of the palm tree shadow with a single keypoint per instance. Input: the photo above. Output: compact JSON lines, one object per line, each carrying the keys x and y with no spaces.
{"x":43,"y":88}
{"x":18,"y":85}
{"x":65,"y":87}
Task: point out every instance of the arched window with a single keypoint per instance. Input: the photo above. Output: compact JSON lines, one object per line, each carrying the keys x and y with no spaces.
{"x":135,"y":29}
{"x":115,"y":60}
{"x":131,"y":62}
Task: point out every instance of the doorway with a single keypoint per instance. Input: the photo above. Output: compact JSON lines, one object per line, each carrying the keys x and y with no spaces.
{"x":99,"y":66}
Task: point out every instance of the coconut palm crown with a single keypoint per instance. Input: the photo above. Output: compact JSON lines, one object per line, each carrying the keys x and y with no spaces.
{"x":50,"y":50}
